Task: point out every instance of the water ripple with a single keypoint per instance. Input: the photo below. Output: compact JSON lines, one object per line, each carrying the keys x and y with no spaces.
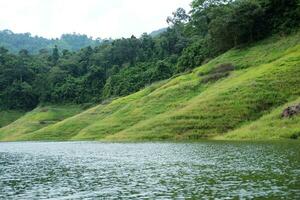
{"x":86,"y":170}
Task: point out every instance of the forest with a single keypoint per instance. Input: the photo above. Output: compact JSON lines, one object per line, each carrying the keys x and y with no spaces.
{"x":115,"y":68}
{"x":15,"y":42}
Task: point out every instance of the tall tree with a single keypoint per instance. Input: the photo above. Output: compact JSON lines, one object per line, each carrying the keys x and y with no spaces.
{"x":55,"y":55}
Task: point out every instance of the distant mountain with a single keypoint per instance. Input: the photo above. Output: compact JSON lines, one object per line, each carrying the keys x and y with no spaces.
{"x":14,"y":42}
{"x":158,"y":32}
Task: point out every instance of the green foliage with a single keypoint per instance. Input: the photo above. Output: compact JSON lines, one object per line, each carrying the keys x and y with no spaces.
{"x":38,"y":118}
{"x":194,"y":55}
{"x":270,"y":126}
{"x":33,"y":44}
{"x":9,"y":116}
{"x":282,"y":16}
{"x":217,"y":73}
{"x":226,"y":24}
{"x":49,"y":71}
{"x":262,"y":78}
{"x":114,"y":68}
{"x":179,"y":16}
{"x":55,"y":55}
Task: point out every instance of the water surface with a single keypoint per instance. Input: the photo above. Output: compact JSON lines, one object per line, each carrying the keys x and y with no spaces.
{"x":205,"y":170}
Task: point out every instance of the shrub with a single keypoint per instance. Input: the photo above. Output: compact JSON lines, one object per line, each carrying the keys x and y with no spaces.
{"x":227,"y":67}
{"x":295,"y":136}
{"x":214,"y":77}
{"x":217,"y":73}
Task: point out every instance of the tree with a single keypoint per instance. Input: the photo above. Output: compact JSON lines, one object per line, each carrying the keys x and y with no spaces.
{"x":161,"y":71}
{"x":120,"y":67}
{"x":23,"y":53}
{"x":15,"y":42}
{"x":282,"y":15}
{"x":55,"y":55}
{"x":19,"y":95}
{"x":193,"y":55}
{"x":179,"y":17}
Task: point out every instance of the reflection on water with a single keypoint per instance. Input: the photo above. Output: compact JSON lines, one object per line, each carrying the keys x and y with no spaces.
{"x":86,"y":170}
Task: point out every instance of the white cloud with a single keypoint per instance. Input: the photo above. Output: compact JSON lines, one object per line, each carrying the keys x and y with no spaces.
{"x":97,"y":18}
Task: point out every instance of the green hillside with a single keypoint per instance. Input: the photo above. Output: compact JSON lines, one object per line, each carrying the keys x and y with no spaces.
{"x":240,"y":94}
{"x":270,"y":126}
{"x":8,"y":116}
{"x":228,"y":104}
{"x":37,"y":119}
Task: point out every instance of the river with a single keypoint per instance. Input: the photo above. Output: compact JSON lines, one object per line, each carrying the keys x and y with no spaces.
{"x":158,"y":170}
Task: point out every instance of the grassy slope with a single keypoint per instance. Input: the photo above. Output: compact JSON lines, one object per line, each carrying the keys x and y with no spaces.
{"x":245,"y":96}
{"x":270,"y":126}
{"x":8,"y":116}
{"x":36,"y":119}
{"x":115,"y":116}
{"x":183,"y":107}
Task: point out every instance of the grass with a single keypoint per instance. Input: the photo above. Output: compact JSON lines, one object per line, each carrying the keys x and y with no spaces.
{"x":200,"y":104}
{"x":9,"y":116}
{"x":37,"y":119}
{"x":244,"y":96}
{"x":270,"y":126}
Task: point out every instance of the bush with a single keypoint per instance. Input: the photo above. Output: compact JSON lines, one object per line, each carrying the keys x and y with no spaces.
{"x":295,"y":136}
{"x":217,"y":73}
{"x":193,"y":56}
{"x":214,"y":77}
{"x":227,"y":67}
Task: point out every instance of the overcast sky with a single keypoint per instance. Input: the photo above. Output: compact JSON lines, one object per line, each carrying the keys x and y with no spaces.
{"x":97,"y":18}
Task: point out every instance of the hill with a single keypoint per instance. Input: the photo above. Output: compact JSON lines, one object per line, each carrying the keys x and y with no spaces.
{"x":15,"y":42}
{"x":238,"y":95}
{"x":215,"y":72}
{"x":158,"y":32}
{"x":35,"y":120}
{"x":269,"y":126}
{"x":8,"y":116}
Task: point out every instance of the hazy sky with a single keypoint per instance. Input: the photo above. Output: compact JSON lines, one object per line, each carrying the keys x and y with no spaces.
{"x":97,"y":18}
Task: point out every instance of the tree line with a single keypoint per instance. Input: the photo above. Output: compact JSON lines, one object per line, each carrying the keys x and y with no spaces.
{"x":123,"y":66}
{"x":15,"y":42}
